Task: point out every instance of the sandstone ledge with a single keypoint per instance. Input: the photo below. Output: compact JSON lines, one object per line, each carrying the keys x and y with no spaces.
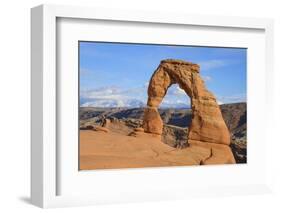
{"x":114,"y":150}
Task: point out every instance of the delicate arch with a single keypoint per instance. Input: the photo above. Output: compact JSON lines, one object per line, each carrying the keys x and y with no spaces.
{"x":207,"y":123}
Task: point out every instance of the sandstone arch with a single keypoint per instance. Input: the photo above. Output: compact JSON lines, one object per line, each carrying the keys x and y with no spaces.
{"x":207,"y":124}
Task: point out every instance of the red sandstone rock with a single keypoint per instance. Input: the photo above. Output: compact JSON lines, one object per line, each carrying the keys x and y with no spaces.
{"x":152,"y":122}
{"x":139,"y":129}
{"x":219,"y":153}
{"x":105,"y":122}
{"x":101,"y":129}
{"x":90,"y":127}
{"x":207,"y":123}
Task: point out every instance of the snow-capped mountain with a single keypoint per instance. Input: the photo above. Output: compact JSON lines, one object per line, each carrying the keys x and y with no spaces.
{"x":128,"y":103}
{"x":110,"y":103}
{"x":109,"y":97}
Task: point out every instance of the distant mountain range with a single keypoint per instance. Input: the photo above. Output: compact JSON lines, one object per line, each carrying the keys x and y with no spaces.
{"x":111,"y":103}
{"x":127,"y":103}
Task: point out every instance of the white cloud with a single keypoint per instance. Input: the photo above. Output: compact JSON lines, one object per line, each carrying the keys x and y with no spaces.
{"x":232,"y":99}
{"x":102,"y":92}
{"x":179,"y":103}
{"x":175,"y":90}
{"x":146,"y":84}
{"x":137,"y":97}
{"x":133,"y":97}
{"x":211,"y":64}
{"x":180,"y":91}
{"x":206,"y":78}
{"x":84,"y":71}
{"x":176,"y":98}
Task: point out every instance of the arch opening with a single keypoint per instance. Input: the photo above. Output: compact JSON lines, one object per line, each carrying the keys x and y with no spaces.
{"x":175,"y":111}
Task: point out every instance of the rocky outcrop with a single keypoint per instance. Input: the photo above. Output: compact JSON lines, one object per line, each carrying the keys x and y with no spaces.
{"x":235,"y":116}
{"x":175,"y":136}
{"x":101,"y":129}
{"x":152,"y":122}
{"x":94,"y":128}
{"x":207,"y":123}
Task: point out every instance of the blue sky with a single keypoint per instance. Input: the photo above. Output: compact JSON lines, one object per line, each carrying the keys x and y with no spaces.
{"x":117,"y":75}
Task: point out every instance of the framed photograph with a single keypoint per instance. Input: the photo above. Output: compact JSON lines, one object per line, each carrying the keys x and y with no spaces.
{"x":129,"y":106}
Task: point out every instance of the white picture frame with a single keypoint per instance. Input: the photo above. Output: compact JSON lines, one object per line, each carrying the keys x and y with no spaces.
{"x":44,"y":149}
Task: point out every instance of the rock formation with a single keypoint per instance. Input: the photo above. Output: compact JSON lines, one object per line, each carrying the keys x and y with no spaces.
{"x":207,"y":123}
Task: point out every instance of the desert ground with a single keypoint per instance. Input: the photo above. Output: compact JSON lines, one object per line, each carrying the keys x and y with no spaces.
{"x":113,"y":138}
{"x":104,"y":150}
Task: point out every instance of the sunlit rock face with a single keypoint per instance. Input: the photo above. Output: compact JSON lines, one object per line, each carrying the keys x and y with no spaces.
{"x":207,"y":124}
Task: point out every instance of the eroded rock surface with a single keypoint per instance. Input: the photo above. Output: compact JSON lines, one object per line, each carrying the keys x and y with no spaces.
{"x":207,"y":122}
{"x":152,"y":122}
